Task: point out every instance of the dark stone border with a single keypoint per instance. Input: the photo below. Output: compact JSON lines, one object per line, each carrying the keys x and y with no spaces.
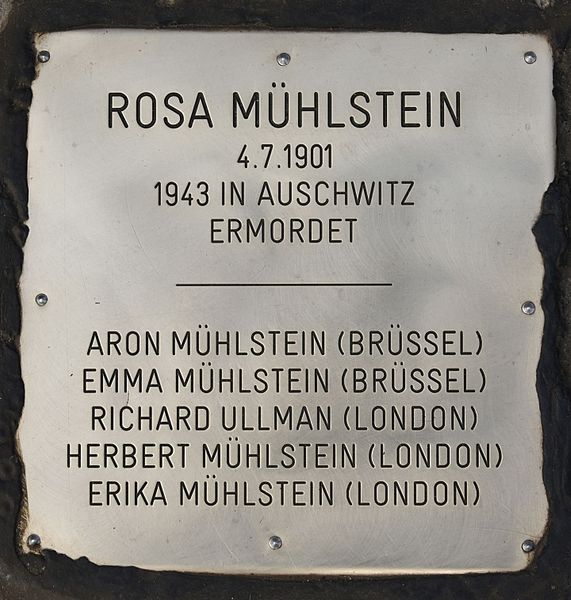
{"x":53,"y":576}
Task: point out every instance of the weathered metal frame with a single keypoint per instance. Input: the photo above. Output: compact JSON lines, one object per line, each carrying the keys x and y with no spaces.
{"x":53,"y":576}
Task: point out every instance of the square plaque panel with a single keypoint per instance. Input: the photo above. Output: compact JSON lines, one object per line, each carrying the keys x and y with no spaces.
{"x":278,"y":300}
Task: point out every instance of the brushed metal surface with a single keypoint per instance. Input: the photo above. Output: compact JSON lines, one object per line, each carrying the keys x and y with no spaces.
{"x":452,"y":270}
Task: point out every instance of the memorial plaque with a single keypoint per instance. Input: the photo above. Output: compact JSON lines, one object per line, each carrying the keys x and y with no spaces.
{"x":281,"y":300}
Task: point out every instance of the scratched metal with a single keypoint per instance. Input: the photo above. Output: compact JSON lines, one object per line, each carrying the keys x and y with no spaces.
{"x":462,"y":258}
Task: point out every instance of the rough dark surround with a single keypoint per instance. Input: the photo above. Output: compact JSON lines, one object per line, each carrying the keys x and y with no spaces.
{"x":54,"y":576}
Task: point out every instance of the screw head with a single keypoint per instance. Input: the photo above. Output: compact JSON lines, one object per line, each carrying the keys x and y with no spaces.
{"x":275,"y":542}
{"x":528,"y":307}
{"x":530,"y":57}
{"x":41,"y":299}
{"x":43,"y":56}
{"x":34,"y":541}
{"x":528,"y":546}
{"x":283,"y":59}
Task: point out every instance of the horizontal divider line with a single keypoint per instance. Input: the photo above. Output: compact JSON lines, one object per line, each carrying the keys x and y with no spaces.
{"x":373,"y":284}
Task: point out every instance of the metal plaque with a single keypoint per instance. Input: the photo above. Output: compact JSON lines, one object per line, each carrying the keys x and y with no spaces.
{"x":281,"y":300}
